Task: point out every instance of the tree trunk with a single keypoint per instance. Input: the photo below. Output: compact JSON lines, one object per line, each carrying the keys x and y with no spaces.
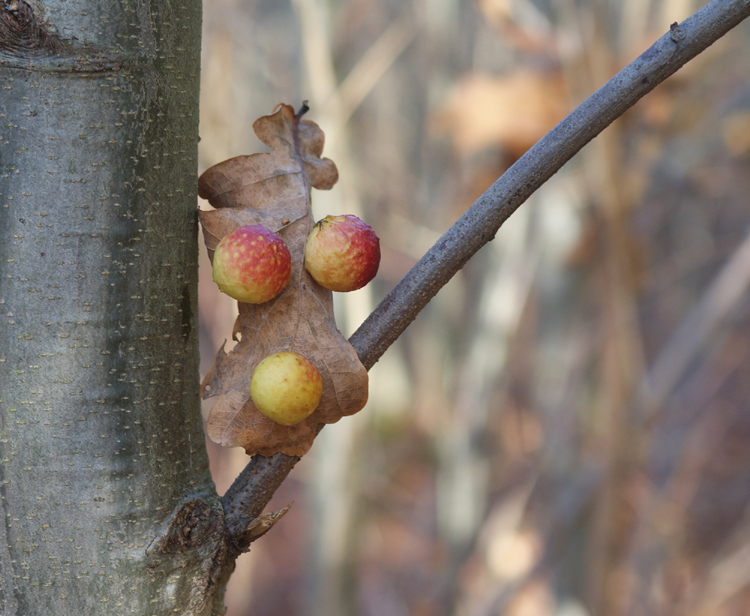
{"x":107,"y":502}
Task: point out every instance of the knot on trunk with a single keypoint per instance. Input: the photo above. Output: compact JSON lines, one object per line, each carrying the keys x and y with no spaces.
{"x":196,"y":550}
{"x":21,"y":33}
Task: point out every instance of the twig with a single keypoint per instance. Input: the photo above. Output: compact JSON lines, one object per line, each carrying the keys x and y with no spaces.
{"x":252,"y":490}
{"x":481,"y":221}
{"x":249,"y":494}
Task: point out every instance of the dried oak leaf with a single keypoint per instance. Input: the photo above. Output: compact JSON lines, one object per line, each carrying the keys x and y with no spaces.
{"x":273,"y":189}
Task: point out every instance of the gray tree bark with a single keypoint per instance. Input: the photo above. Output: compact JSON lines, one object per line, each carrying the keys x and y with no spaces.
{"x":107,"y":502}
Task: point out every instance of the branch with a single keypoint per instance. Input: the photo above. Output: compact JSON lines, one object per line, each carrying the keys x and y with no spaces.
{"x":481,"y":221}
{"x":254,"y":487}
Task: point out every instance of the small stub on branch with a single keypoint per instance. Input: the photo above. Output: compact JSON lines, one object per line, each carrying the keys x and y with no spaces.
{"x":676,"y":33}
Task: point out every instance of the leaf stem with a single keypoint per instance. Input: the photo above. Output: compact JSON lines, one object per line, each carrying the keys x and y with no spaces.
{"x":302,"y":110}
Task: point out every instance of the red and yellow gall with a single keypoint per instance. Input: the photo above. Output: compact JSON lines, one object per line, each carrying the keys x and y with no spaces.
{"x":342,"y":253}
{"x":252,"y":264}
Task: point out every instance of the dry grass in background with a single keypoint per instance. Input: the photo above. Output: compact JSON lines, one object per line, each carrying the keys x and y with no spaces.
{"x":564,"y":430}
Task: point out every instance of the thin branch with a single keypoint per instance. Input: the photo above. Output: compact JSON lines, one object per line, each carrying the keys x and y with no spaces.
{"x":249,"y":494}
{"x":478,"y":225}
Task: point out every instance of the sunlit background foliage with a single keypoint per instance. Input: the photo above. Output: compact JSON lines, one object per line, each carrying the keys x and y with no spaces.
{"x":564,"y":430}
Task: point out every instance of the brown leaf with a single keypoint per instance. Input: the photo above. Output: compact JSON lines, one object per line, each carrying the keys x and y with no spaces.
{"x":513,"y":111}
{"x":273,"y":189}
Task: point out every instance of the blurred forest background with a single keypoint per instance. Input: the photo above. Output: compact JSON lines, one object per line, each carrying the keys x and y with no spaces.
{"x":565,"y":429}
